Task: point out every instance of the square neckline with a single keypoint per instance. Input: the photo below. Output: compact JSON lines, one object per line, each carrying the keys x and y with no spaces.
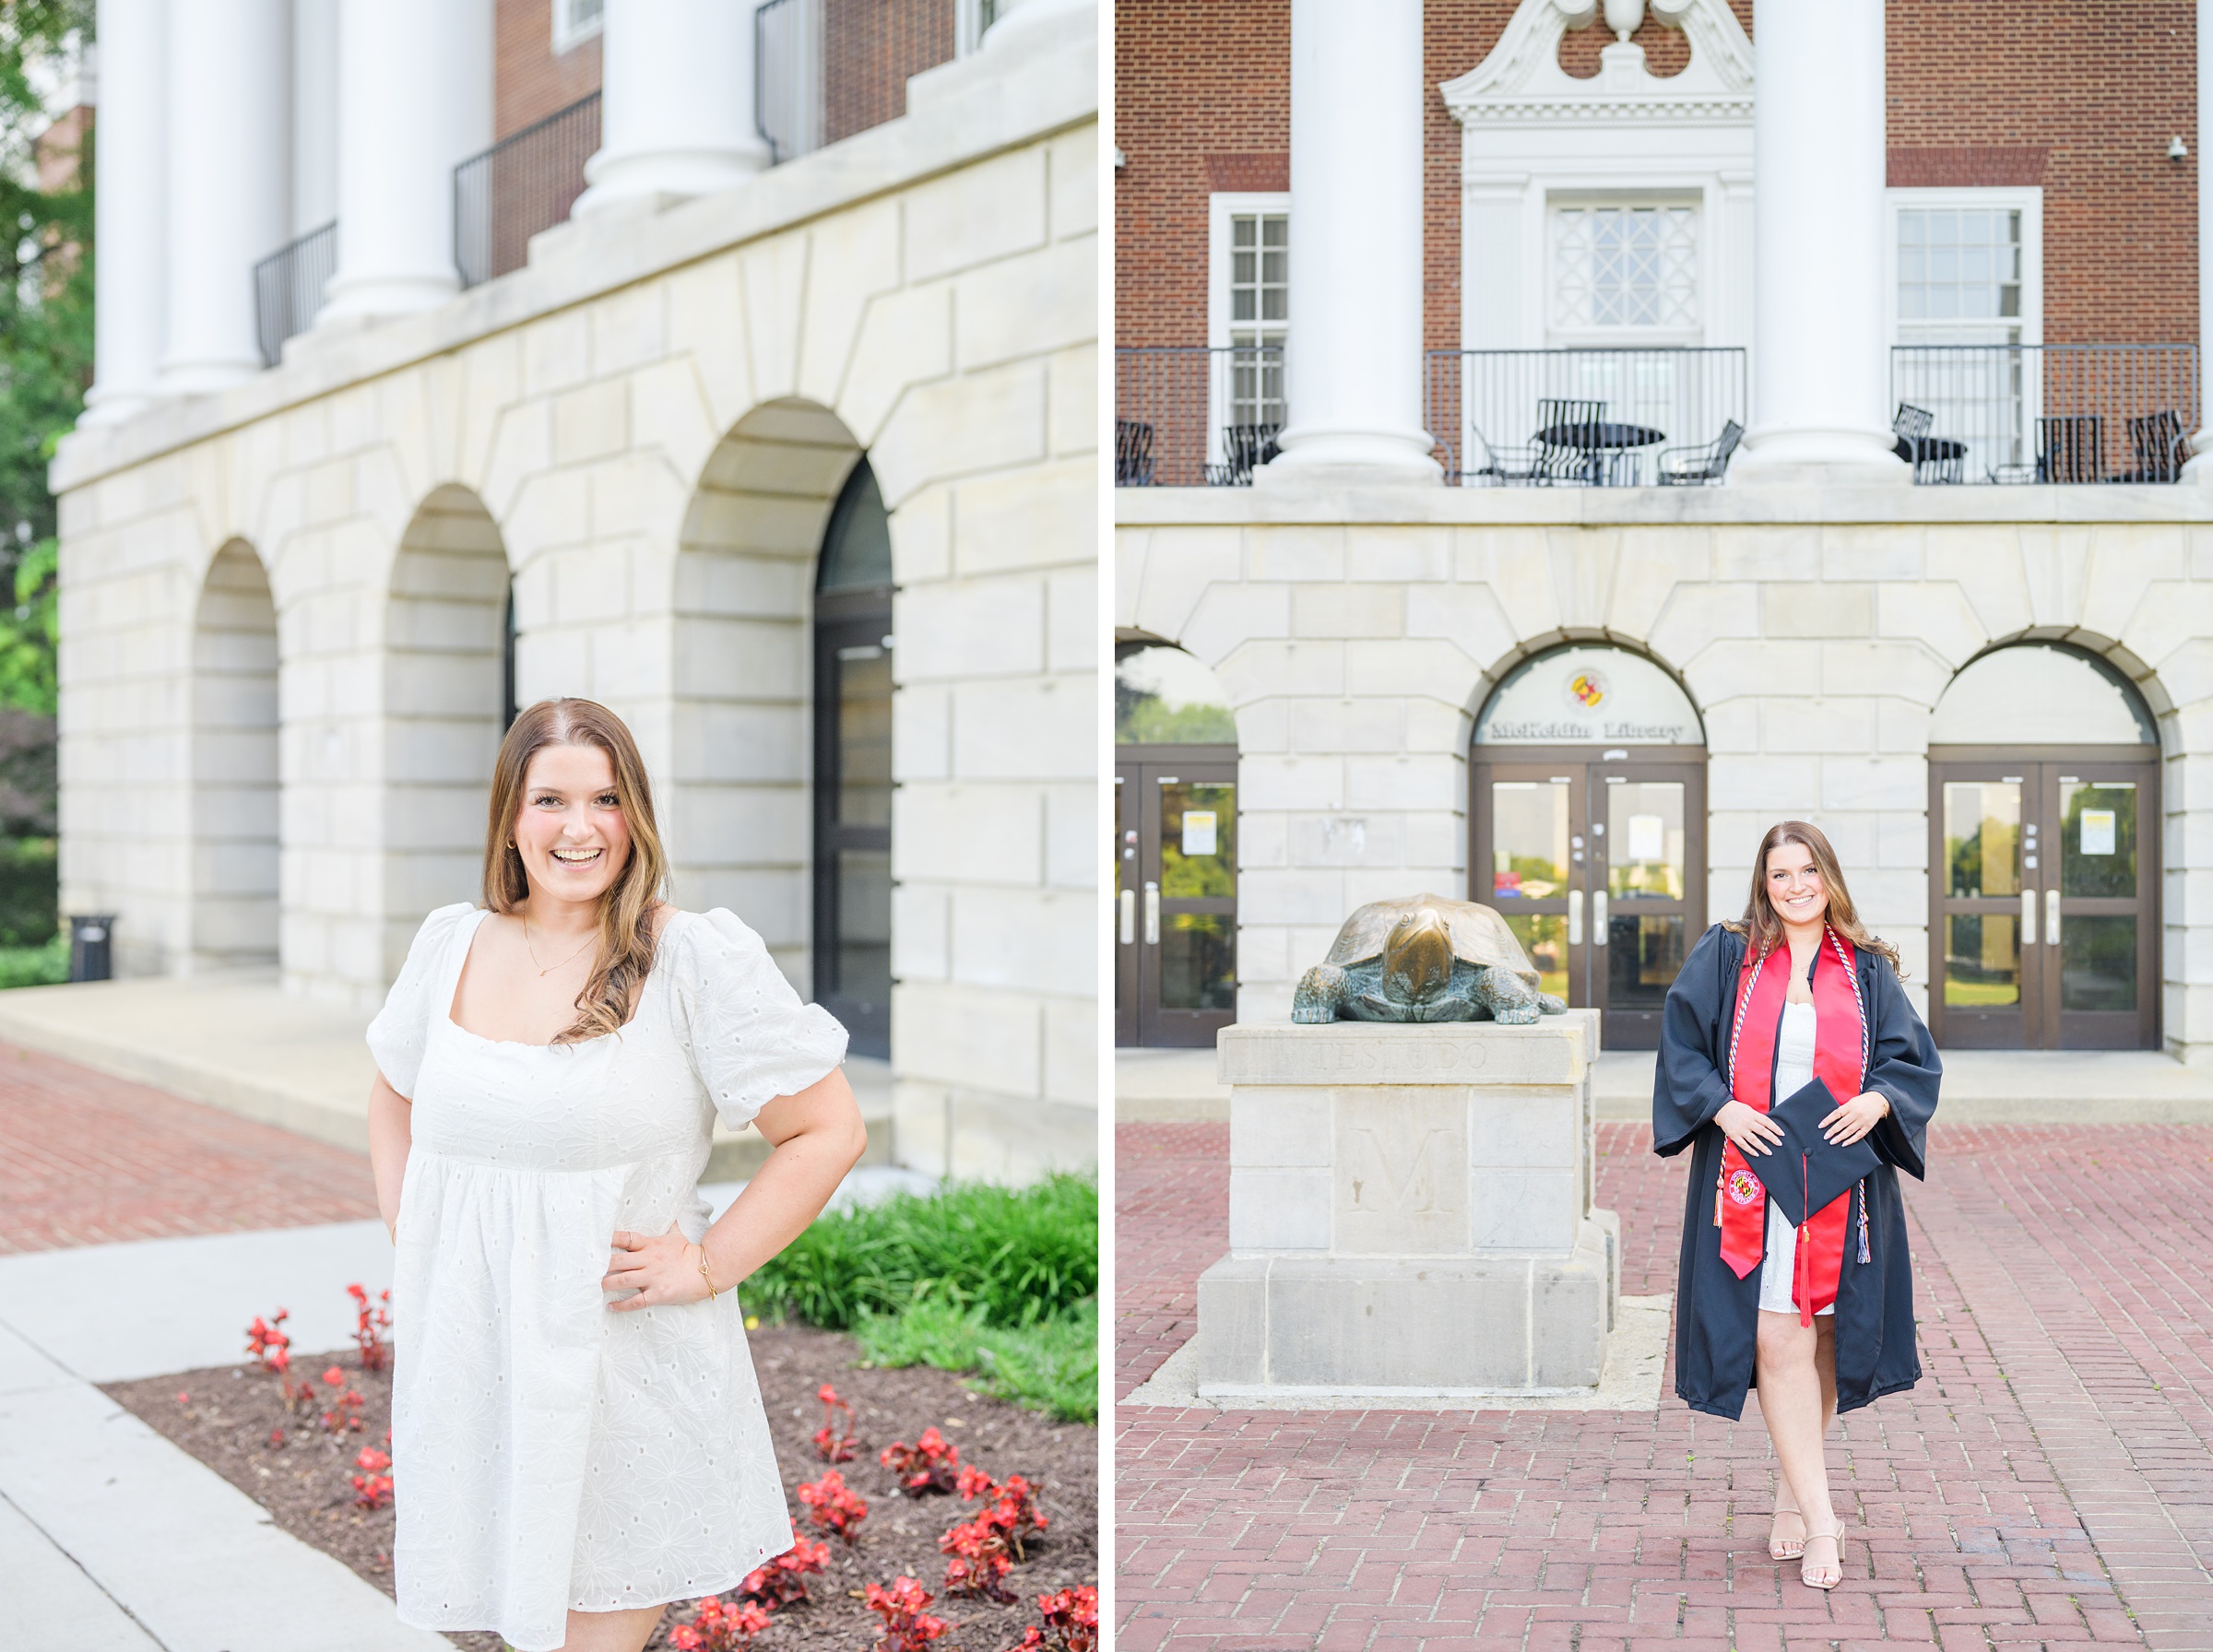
{"x":468,"y":941}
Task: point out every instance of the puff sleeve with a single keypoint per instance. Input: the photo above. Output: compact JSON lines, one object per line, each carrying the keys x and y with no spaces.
{"x":749,"y":1036}
{"x":401,"y":1028}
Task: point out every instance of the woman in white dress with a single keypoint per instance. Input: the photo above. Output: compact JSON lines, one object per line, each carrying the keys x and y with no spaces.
{"x":578,"y":1435}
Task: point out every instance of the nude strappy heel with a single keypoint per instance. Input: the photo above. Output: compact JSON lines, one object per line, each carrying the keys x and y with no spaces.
{"x":1806,"y":1567}
{"x":1785,"y":1547}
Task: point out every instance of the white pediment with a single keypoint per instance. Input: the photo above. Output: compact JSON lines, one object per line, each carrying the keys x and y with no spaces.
{"x":1522,"y":80}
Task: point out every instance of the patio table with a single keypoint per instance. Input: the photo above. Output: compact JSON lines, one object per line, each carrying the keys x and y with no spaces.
{"x":1599,"y":439}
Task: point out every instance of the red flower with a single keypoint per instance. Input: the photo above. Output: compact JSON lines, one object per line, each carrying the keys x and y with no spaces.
{"x":929,"y":1465}
{"x":831,"y":1505}
{"x":783,"y":1579}
{"x":1071,"y":1622}
{"x":718,"y":1627}
{"x":829,"y":1444}
{"x":907,"y":1627}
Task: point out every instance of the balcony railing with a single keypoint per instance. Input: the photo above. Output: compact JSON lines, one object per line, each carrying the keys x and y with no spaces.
{"x":524,"y":184}
{"x":1584,"y":418}
{"x":2045,"y":412}
{"x":287,"y":288}
{"x":825,"y":69}
{"x":1195,"y":417}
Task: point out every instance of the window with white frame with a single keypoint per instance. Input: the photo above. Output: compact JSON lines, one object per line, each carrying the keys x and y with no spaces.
{"x":1626,"y":270}
{"x":1249,"y":309}
{"x":575,"y":21}
{"x":1965,"y":301}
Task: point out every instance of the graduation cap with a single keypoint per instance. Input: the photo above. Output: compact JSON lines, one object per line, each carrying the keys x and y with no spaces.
{"x":1805,"y":1170}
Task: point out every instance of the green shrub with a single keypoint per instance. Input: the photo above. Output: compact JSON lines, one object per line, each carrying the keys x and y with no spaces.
{"x":35,"y":966}
{"x":1051,"y":1365}
{"x":30,"y":892}
{"x":1013,"y":1255}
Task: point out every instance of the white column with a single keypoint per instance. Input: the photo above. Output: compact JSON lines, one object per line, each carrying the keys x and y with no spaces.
{"x":2200,"y":466}
{"x":130,"y":210}
{"x":1355,"y":352}
{"x":1820,"y":363}
{"x":230,"y":142}
{"x":676,"y":111}
{"x":314,"y":114}
{"x":414,"y":102}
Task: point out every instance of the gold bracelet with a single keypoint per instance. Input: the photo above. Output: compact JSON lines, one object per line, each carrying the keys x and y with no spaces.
{"x":703,"y":1270}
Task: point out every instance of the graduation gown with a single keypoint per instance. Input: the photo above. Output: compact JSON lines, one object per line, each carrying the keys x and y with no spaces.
{"x":1717,"y":1315}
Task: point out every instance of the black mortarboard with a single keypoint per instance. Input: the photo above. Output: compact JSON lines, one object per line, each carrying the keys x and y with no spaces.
{"x":1805,"y":1169}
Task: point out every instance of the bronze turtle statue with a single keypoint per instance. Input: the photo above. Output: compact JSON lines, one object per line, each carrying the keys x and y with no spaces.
{"x":1424,"y":959}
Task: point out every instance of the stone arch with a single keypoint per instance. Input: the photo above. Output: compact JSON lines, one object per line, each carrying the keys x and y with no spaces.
{"x":739,"y":816}
{"x":447,"y":667}
{"x":1556,"y":640}
{"x":2143,"y":678}
{"x":235,"y":800}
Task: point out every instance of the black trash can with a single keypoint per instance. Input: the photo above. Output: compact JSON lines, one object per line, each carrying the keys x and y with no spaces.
{"x":92,"y":954}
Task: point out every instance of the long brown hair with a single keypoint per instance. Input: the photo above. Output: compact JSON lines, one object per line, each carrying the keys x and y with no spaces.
{"x":626,"y":933}
{"x":1762,"y":924}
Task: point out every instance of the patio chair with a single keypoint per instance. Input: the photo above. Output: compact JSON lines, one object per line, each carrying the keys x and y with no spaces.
{"x":1569,"y":465}
{"x":1132,"y":454}
{"x":1689,"y":467}
{"x":2161,"y":447}
{"x":1507,"y":466}
{"x":1910,"y":422}
{"x":1243,"y":447}
{"x":2070,"y":447}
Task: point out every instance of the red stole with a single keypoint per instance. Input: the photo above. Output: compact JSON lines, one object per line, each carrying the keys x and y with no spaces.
{"x":1840,"y":1061}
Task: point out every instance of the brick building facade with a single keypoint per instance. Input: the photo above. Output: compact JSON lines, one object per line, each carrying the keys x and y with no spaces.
{"x":2080,"y":99}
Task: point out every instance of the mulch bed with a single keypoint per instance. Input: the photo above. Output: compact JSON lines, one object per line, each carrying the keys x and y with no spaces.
{"x":303,"y":1483}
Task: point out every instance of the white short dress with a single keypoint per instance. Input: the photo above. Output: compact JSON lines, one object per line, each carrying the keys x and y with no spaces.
{"x":548,"y":1453}
{"x":1793,"y":1072}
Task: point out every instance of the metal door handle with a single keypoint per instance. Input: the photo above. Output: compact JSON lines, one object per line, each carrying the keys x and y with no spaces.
{"x":2050,"y":917}
{"x":1152,"y":915}
{"x":2027,"y":918}
{"x":1128,"y":917}
{"x":1598,"y":917}
{"x":1575,"y":917}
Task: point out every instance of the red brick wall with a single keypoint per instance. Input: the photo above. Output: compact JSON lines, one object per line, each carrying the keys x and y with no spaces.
{"x":2078,"y":95}
{"x":2098,"y":86}
{"x":869,"y":47}
{"x":529,"y":82}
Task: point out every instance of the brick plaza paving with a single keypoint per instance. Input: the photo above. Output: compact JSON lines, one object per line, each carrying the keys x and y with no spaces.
{"x":2048,"y":1483}
{"x":86,"y":1159}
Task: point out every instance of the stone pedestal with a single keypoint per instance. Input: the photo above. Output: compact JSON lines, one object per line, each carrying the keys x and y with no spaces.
{"x":1410,"y":1213}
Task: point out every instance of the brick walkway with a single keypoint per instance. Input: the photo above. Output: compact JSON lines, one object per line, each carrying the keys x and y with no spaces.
{"x":2048,"y":1483}
{"x":89,"y":1160}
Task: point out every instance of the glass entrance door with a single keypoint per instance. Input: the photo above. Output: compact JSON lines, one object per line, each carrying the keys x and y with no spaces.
{"x":1175,"y":899}
{"x":1597,"y":866}
{"x":2043,"y":901}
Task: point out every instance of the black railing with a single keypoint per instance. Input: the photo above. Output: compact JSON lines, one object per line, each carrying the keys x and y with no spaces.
{"x":825,"y":69}
{"x":1583,"y":417}
{"x":2045,"y":412}
{"x":524,"y":184}
{"x":1196,"y":417}
{"x":287,"y":288}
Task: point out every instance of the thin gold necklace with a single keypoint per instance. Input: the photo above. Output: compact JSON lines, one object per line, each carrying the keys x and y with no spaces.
{"x":549,"y":969}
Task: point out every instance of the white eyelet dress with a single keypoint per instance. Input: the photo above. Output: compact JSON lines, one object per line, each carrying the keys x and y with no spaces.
{"x":1793,"y":1072}
{"x":549,"y":1453}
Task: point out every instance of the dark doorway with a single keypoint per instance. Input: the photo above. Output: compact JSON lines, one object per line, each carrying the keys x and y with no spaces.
{"x":2043,"y":909}
{"x":1176,"y":849}
{"x":853,"y":766}
{"x":1597,"y":861}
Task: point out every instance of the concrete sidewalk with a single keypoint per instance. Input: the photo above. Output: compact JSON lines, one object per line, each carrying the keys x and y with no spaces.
{"x":241,"y":1042}
{"x":2132,"y":1087}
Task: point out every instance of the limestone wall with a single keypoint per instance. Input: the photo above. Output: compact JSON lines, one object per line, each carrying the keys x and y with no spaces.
{"x":1358,"y":634}
{"x":647,"y":427}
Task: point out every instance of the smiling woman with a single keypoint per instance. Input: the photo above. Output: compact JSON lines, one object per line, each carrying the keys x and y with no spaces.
{"x":551,"y":1065}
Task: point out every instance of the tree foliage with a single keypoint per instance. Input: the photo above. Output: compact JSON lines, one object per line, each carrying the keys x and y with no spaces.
{"x":45,"y":332}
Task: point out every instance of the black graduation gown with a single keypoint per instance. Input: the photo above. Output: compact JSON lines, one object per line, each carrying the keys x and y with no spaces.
{"x":1717,"y":1315}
